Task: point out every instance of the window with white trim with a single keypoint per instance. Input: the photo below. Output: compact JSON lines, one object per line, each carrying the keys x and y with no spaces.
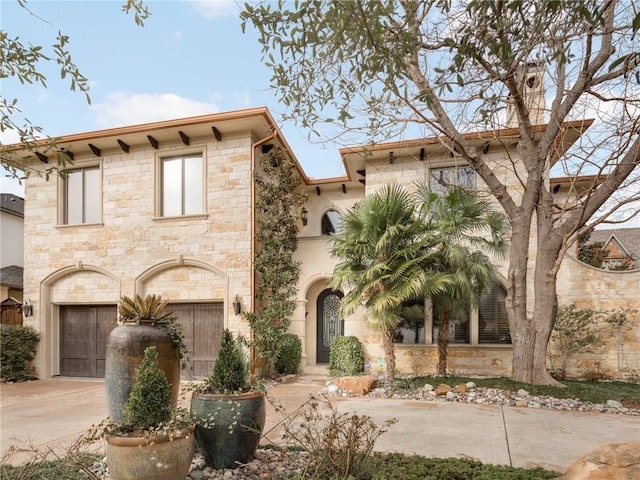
{"x":182,"y":185}
{"x":82,"y":196}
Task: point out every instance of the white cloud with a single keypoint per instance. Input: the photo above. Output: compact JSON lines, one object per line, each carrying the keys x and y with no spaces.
{"x":121,"y":108}
{"x":217,"y":8}
{"x":9,"y":136}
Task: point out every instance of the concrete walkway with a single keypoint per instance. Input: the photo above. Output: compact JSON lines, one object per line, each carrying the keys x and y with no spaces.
{"x":53,"y":412}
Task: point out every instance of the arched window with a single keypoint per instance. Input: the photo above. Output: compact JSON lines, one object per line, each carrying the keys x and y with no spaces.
{"x":331,"y":223}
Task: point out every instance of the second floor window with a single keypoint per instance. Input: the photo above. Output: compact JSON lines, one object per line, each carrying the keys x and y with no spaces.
{"x":182,"y":185}
{"x":445,"y":177}
{"x":331,"y":223}
{"x":82,"y":196}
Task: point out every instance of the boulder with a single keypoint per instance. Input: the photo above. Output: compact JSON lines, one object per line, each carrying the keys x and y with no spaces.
{"x":462,"y":388}
{"x":442,"y":389}
{"x":611,"y":461}
{"x":359,"y":385}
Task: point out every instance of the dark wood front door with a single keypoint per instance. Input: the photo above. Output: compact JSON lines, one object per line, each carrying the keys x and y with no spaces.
{"x":202,"y":325}
{"x":83,"y":339}
{"x":329,"y":323}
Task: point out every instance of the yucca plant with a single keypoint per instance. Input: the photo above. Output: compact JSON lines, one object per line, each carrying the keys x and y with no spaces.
{"x":152,"y":309}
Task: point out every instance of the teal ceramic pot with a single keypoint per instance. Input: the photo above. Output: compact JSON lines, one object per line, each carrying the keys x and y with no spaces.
{"x":228,"y":427}
{"x":125,"y":349}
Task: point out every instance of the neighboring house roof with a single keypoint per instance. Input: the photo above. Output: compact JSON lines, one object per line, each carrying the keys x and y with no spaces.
{"x":620,"y":240}
{"x":12,"y":276}
{"x":12,"y":204}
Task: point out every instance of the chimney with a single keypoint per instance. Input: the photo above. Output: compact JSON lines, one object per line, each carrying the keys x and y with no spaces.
{"x":531,"y":80}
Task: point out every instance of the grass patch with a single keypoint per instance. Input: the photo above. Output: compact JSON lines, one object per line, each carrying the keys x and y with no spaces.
{"x":395,"y":466}
{"x":594,"y":392}
{"x":67,"y":468}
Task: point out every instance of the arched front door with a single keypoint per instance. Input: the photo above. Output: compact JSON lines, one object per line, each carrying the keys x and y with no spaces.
{"x":329,"y":323}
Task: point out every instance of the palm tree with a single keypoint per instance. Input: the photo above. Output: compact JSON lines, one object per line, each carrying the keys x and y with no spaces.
{"x":467,"y":229}
{"x":382,"y":253}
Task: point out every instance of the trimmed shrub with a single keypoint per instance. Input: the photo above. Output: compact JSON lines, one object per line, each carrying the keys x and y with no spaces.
{"x":18,"y":345}
{"x":289,"y":354}
{"x":230,"y":370}
{"x":346,"y":356}
{"x":149,"y":403}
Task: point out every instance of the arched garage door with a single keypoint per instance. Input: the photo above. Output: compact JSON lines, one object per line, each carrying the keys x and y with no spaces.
{"x":84,"y":330}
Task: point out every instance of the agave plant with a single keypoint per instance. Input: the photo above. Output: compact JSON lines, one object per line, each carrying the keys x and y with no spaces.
{"x":149,"y":308}
{"x":152,"y":309}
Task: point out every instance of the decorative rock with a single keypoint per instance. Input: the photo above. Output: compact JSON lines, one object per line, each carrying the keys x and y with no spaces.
{"x":360,"y":385}
{"x":462,"y":388}
{"x":611,"y":461}
{"x":442,"y":389}
{"x":614,"y":404}
{"x":332,"y":389}
{"x":470,"y":385}
{"x":427,"y":387}
{"x":521,"y":403}
{"x":523,"y":393}
{"x":451,"y":395}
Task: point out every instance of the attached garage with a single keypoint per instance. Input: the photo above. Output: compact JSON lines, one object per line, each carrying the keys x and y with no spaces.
{"x":83,"y":339}
{"x":84,"y":330}
{"x":202,"y":325}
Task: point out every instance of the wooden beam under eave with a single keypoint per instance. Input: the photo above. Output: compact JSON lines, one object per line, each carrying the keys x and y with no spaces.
{"x":123,"y":146}
{"x":184,"y":137}
{"x":318,"y":190}
{"x":344,"y":188}
{"x":42,"y":157}
{"x":362,"y":181}
{"x":154,"y":143}
{"x":216,"y":133}
{"x":362,"y":173}
{"x":67,"y":153}
{"x":96,"y":151}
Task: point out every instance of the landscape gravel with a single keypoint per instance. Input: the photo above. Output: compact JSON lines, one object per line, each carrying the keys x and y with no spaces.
{"x":276,"y":463}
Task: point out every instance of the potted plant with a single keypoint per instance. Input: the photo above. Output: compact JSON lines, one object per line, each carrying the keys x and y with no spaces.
{"x":142,"y":322}
{"x":229,"y":412}
{"x":155,"y":440}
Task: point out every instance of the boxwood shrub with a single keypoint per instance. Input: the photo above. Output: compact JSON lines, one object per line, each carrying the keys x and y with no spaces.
{"x":289,"y":354}
{"x":346,"y":356}
{"x":18,"y":345}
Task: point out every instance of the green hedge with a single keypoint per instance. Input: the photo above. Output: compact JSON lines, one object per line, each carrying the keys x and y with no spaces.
{"x":346,"y":356}
{"x":289,"y":354}
{"x":17,"y":349}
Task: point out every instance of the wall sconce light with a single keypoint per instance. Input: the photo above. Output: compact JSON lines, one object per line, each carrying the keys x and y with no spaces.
{"x":304,"y":216}
{"x":237,"y":306}
{"x":27,"y":308}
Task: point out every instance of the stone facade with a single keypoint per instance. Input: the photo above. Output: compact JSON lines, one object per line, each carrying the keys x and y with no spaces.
{"x":207,"y":257}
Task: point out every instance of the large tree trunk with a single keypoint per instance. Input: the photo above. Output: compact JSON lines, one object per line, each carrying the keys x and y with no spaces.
{"x":522,"y":331}
{"x":546,"y":298}
{"x":443,"y":343}
{"x":389,"y":354}
{"x":531,"y":332}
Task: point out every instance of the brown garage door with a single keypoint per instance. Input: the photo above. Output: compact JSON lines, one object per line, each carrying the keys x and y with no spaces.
{"x":202,"y":325}
{"x":83,"y":339}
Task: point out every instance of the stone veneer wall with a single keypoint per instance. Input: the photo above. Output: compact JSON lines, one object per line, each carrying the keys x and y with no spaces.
{"x":203,"y":258}
{"x":590,"y":287}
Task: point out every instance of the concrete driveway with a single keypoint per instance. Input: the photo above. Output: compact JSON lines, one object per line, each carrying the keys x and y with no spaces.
{"x":48,"y":413}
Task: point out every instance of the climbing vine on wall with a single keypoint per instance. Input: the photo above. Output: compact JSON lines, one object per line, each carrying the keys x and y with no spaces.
{"x":279,"y":198}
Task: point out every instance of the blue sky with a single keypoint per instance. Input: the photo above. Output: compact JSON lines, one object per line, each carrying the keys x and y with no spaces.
{"x":190,"y":58}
